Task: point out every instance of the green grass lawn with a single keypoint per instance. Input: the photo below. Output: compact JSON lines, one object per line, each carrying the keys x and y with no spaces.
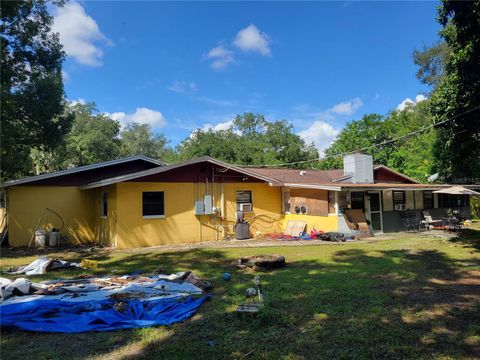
{"x":412,"y":297}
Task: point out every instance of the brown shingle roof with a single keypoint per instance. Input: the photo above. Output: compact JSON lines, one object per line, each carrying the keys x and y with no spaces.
{"x":294,"y":175}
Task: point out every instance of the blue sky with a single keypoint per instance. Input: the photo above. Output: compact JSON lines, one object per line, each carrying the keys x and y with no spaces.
{"x":182,"y":66}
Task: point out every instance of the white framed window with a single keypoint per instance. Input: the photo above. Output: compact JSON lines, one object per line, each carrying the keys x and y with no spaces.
{"x":153,"y":204}
{"x":244,"y":200}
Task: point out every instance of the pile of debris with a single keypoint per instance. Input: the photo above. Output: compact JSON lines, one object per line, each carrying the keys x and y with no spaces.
{"x":100,"y":304}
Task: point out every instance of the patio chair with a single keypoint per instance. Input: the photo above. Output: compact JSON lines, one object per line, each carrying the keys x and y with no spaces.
{"x":429,"y":221}
{"x":409,"y":222}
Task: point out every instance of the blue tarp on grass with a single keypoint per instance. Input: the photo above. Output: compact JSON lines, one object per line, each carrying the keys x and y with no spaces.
{"x":63,"y":316}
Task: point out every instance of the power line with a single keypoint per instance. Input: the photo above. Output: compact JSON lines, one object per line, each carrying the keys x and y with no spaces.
{"x":386,"y":142}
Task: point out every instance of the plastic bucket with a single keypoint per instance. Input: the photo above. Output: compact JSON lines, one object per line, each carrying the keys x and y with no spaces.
{"x":40,"y":238}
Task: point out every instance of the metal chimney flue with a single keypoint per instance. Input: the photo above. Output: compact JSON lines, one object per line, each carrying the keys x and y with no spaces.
{"x":360,"y":167}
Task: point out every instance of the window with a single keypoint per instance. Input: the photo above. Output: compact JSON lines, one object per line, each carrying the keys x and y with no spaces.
{"x":153,"y":205}
{"x":357,"y":200}
{"x":427,"y":200}
{"x":331,"y":202}
{"x":398,"y":197}
{"x":243,"y":197}
{"x":104,"y":213}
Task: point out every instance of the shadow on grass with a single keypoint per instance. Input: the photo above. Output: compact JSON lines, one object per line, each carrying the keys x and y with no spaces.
{"x":469,"y":237}
{"x":392,"y":304}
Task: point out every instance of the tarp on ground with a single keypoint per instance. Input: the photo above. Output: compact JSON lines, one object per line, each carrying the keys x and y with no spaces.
{"x":62,"y":316}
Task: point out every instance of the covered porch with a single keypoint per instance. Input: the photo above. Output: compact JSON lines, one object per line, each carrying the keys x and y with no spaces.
{"x":388,"y":208}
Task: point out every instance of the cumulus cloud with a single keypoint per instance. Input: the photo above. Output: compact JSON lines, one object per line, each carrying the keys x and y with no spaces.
{"x":409,"y":102}
{"x":79,"y":34}
{"x":141,"y":116}
{"x":220,"y":126}
{"x":252,"y":39}
{"x":183,"y":86}
{"x":347,"y":107}
{"x":80,"y":101}
{"x":221,"y":57}
{"x":320,"y":133}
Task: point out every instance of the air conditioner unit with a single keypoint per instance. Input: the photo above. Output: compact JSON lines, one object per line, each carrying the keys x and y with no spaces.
{"x":246,"y":207}
{"x":400,"y":207}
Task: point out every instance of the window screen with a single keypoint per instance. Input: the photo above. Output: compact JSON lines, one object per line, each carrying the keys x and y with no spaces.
{"x":427,"y":200}
{"x":398,"y":197}
{"x":105,"y":204}
{"x":357,"y":200}
{"x":243,"y":197}
{"x":153,"y":203}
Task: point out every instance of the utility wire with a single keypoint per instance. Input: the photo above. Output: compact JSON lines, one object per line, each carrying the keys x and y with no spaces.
{"x":370,"y":146}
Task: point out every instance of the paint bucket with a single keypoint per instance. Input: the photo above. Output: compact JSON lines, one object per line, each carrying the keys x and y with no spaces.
{"x":40,"y":238}
{"x":53,"y":238}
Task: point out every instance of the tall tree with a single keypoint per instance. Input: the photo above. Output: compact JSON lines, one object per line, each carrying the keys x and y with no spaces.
{"x":412,"y":156}
{"x":138,"y":139}
{"x":431,"y":61}
{"x":252,"y":140}
{"x":93,"y":137}
{"x":457,"y":150}
{"x":31,"y":84}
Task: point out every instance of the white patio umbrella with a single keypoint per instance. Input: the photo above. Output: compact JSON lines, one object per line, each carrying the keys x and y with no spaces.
{"x":457,"y":190}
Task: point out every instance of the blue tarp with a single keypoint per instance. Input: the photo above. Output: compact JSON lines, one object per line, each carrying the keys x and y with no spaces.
{"x":62,"y":316}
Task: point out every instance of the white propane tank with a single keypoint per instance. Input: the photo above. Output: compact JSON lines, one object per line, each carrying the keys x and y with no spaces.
{"x":40,"y":238}
{"x":53,"y":238}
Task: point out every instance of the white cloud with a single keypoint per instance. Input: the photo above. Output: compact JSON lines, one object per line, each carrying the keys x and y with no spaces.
{"x":80,"y":101}
{"x":79,"y":34}
{"x":219,"y":127}
{"x":221,"y":57}
{"x":320,"y":133}
{"x":183,"y":86}
{"x":347,"y":107}
{"x":409,"y":102}
{"x":252,"y":39}
{"x":65,"y":76}
{"x":141,"y":116}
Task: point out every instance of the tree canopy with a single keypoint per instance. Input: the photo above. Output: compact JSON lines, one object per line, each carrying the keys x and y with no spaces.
{"x":412,"y":156}
{"x":252,"y":140}
{"x":457,"y":148}
{"x":32,"y":98}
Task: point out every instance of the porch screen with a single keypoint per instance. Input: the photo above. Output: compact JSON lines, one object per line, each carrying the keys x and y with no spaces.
{"x":428,"y":200}
{"x":357,"y":200}
{"x":153,"y":203}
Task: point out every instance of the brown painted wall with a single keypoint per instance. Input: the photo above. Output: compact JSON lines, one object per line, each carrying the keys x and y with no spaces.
{"x":88,"y":176}
{"x":385,"y":176}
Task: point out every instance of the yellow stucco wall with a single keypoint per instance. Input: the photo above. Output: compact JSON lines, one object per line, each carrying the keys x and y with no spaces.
{"x":180,"y":225}
{"x":324,"y":223}
{"x":26,"y":204}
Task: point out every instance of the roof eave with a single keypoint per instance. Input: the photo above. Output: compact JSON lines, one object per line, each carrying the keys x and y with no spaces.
{"x":154,"y":171}
{"x":79,"y":169}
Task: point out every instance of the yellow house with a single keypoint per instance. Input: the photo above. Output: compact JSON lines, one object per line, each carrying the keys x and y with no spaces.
{"x":137,"y":201}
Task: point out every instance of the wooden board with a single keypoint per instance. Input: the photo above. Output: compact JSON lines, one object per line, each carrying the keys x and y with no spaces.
{"x":315,"y":200}
{"x":356,"y":221}
{"x":294,"y":228}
